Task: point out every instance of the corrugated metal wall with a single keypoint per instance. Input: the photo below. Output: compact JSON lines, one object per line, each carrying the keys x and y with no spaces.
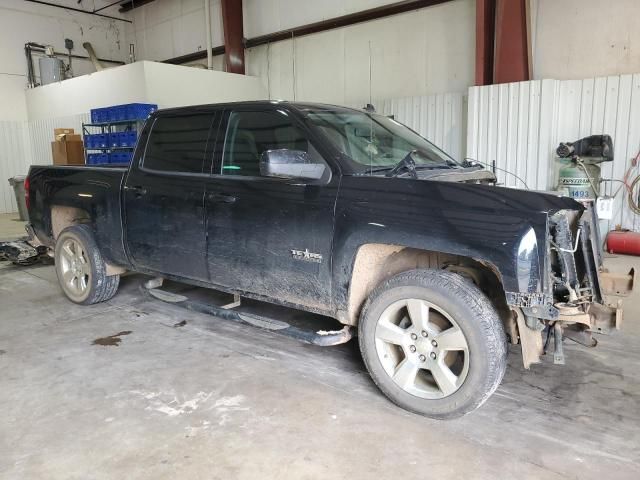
{"x":438,"y":118}
{"x":519,"y":125}
{"x":441,"y":118}
{"x":14,"y":160}
{"x":41,"y":135}
{"x":23,"y":144}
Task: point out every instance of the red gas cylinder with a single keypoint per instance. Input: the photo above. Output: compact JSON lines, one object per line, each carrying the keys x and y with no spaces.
{"x":623,"y":241}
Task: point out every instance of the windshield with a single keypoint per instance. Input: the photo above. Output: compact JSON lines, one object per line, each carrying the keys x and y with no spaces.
{"x":376,"y":142}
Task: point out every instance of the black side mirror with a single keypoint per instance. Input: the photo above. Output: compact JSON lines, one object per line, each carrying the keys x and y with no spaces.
{"x":285,"y":163}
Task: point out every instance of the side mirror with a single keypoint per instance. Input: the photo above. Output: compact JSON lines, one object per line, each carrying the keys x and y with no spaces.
{"x":285,"y":163}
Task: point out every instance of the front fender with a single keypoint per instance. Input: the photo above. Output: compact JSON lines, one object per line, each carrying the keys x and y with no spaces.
{"x":477,"y":226}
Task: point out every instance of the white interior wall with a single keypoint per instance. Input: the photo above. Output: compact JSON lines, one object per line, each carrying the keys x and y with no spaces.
{"x":22,"y":22}
{"x":151,"y":82}
{"x":176,"y":86}
{"x":112,"y":86}
{"x":262,"y":17}
{"x":575,"y":39}
{"x":165,"y":29}
{"x":423,"y":52}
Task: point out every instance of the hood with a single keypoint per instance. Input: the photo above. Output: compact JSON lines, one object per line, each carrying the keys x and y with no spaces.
{"x":503,"y":198}
{"x":468,"y":196}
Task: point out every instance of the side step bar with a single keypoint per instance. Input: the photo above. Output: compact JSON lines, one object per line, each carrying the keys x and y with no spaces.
{"x":320,"y":338}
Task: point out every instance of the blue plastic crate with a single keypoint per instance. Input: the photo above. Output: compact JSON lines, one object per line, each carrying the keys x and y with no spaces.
{"x":122,"y":139}
{"x":120,"y":157}
{"x":139,"y":111}
{"x":96,"y":140}
{"x":99,"y":115}
{"x":114,"y":139}
{"x":129,"y":138}
{"x":118,"y":113}
{"x":101,"y":140}
{"x":97,"y":158}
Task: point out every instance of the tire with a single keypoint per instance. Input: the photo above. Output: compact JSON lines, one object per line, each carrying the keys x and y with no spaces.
{"x":81,"y":271}
{"x":451,"y":378}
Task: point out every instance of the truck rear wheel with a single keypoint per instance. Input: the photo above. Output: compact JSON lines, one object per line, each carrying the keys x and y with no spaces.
{"x":80,"y":268}
{"x":433,"y":343}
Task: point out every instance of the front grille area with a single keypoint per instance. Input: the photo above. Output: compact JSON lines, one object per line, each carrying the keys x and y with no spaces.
{"x":574,"y":262}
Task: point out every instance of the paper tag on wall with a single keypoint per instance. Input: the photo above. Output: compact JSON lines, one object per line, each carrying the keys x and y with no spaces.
{"x":604,"y":207}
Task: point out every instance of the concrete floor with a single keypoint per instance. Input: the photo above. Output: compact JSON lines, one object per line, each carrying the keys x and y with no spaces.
{"x":11,"y":227}
{"x":214,"y":399}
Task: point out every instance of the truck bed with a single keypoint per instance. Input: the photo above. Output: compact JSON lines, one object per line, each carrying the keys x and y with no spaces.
{"x":90,"y":193}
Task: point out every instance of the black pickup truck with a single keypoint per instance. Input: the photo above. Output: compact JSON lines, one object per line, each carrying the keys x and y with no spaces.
{"x":344,"y":213}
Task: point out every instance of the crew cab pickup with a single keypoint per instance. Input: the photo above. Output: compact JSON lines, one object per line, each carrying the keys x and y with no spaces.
{"x":348,"y":214}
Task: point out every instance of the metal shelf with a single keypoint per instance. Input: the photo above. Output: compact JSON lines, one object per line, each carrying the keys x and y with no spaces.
{"x":116,"y":122}
{"x":110,"y":148}
{"x":107,"y":128}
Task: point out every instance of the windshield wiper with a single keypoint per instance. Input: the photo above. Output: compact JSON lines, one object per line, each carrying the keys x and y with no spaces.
{"x":407,"y":163}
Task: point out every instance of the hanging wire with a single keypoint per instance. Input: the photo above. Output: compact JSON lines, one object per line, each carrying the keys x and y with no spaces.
{"x":501,"y":169}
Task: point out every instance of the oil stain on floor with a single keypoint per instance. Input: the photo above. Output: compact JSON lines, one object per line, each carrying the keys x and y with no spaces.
{"x":111,"y":340}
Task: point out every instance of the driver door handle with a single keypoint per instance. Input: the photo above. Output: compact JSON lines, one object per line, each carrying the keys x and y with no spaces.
{"x":221,"y":198}
{"x":137,"y":190}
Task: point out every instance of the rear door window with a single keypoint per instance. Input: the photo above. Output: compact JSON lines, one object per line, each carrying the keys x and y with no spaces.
{"x":178,"y":143}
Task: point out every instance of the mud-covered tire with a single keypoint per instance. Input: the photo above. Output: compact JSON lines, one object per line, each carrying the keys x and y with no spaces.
{"x":443,"y":295}
{"x":86,"y":263}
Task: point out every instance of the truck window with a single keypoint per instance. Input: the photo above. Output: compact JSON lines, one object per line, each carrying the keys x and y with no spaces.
{"x":251,"y":133}
{"x":178,"y":144}
{"x":372,"y":140}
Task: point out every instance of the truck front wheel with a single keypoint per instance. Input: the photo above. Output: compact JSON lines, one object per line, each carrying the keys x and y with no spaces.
{"x":433,"y":343}
{"x":81,"y":271}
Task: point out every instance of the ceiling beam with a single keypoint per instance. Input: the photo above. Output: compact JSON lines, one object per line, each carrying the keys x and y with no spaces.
{"x":343,"y":21}
{"x":72,"y":9}
{"x":233,"y":36}
{"x":485,"y":36}
{"x":512,"y":42}
{"x":127,"y":6}
{"x":192,"y":57}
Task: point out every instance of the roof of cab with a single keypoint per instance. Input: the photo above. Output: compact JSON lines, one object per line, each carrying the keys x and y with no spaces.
{"x":258,"y":103}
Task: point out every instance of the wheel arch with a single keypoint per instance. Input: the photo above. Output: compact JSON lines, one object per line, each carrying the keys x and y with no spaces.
{"x":63,"y":216}
{"x":376,"y":262}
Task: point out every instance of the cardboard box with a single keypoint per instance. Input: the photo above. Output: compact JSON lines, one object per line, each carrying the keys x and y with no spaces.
{"x":62,"y":131}
{"x":67,"y":152}
{"x":69,"y":137}
{"x":67,"y":149}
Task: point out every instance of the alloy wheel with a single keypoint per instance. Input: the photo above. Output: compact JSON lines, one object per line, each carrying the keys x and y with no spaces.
{"x":422,"y":348}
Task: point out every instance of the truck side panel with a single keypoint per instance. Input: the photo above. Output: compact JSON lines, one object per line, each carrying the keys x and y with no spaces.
{"x":93,"y":190}
{"x":488,"y":224}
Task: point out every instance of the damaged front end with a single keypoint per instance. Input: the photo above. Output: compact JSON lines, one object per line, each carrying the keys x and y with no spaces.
{"x":580,"y":297}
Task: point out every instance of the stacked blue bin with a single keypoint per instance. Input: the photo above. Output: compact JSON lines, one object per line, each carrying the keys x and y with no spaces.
{"x":97,"y":158}
{"x":121,"y":113}
{"x":115,"y":146}
{"x":123,"y":139}
{"x":120,"y":157}
{"x":96,"y":141}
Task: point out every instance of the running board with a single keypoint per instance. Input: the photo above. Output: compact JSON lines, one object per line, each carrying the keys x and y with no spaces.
{"x":320,"y":338}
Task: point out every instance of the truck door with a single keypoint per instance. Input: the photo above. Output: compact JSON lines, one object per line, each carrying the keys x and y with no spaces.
{"x":268,"y":236}
{"x":164,"y":211}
